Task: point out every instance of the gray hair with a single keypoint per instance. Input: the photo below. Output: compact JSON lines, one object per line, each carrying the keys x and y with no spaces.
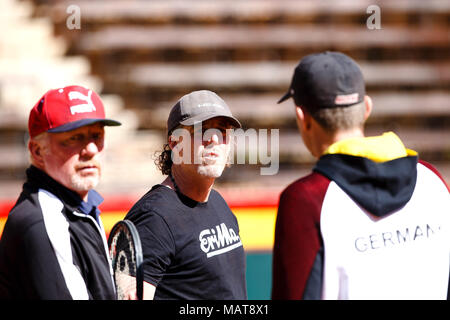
{"x":42,"y":140}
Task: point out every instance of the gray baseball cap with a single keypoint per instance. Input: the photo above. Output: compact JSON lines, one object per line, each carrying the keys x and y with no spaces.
{"x":199,"y":106}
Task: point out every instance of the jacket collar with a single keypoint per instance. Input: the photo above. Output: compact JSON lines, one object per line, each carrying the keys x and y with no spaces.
{"x":37,"y":178}
{"x":382,"y":148}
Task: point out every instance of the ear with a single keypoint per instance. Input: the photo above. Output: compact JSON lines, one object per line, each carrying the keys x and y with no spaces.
{"x":369,"y":104}
{"x":36,"y":152}
{"x":303,"y":119}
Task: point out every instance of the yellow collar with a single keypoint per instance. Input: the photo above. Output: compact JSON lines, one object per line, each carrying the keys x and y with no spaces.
{"x":382,"y":148}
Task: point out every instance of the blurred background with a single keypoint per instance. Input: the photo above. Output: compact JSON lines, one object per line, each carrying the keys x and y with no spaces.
{"x":142,"y":56}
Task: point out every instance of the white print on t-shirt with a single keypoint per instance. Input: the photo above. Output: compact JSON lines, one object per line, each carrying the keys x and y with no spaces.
{"x":218,"y":240}
{"x":391,"y":238}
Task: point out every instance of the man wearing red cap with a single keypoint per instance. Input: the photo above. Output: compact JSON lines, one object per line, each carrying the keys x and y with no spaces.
{"x":53,"y":245}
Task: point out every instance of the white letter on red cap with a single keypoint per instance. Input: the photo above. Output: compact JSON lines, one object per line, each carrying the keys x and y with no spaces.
{"x":81,"y":108}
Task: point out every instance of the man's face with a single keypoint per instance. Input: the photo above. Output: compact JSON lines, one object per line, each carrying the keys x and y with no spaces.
{"x":209,"y":148}
{"x":212,"y":153}
{"x":73,"y":158}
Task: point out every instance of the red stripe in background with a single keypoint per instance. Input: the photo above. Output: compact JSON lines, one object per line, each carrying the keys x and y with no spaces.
{"x":236,"y":198}
{"x":254,"y":209}
{"x":5,"y":207}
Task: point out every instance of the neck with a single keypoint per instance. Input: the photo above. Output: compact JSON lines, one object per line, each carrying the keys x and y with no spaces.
{"x":84,"y":195}
{"x":325,"y":140}
{"x":195,"y":186}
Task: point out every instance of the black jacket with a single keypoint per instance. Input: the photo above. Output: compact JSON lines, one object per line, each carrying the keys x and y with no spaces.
{"x":50,"y":248}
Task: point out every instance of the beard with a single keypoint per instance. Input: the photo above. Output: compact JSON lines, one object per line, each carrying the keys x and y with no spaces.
{"x":213,"y":167}
{"x":84,"y":182}
{"x":80,"y":183}
{"x":210,"y":170}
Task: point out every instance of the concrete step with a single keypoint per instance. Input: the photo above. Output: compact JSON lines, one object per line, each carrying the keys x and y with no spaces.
{"x":262,"y":110}
{"x":268,"y":76}
{"x":137,"y":44}
{"x":24,"y":38}
{"x":154,"y":86}
{"x":97,"y":13}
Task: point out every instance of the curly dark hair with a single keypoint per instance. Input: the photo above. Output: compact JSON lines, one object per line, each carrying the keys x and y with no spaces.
{"x":164,"y":160}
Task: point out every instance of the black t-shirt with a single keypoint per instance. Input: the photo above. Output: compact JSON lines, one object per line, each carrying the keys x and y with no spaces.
{"x":192,"y":250}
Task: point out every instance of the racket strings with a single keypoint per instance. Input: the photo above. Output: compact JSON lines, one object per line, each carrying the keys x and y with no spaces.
{"x":124,"y":265}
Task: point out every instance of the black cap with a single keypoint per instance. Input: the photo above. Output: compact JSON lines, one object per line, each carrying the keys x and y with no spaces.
{"x":326,"y":80}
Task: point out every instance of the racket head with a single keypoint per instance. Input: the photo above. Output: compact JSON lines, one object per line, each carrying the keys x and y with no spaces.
{"x":125,"y":250}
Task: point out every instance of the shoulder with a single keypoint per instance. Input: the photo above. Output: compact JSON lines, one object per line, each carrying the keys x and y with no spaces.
{"x":26,"y":212}
{"x":153,"y":201}
{"x":313,"y":185}
{"x":151,"y":213}
{"x":301,"y":202}
{"x":434,"y":171}
{"x":25,"y":222}
{"x":216,"y":197}
{"x":218,"y":204}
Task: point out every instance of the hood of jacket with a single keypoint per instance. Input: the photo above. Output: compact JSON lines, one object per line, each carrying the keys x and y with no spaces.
{"x":378,"y":173}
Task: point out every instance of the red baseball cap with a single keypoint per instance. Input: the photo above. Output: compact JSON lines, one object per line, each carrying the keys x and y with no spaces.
{"x":66,"y":109}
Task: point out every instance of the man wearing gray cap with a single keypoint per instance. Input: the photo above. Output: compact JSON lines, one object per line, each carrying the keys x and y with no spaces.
{"x":190,"y":237}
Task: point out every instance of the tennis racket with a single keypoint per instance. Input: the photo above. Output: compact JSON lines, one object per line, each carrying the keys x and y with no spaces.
{"x":126,"y":254}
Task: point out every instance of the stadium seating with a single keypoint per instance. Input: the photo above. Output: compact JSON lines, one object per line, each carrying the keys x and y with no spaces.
{"x":152,"y":52}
